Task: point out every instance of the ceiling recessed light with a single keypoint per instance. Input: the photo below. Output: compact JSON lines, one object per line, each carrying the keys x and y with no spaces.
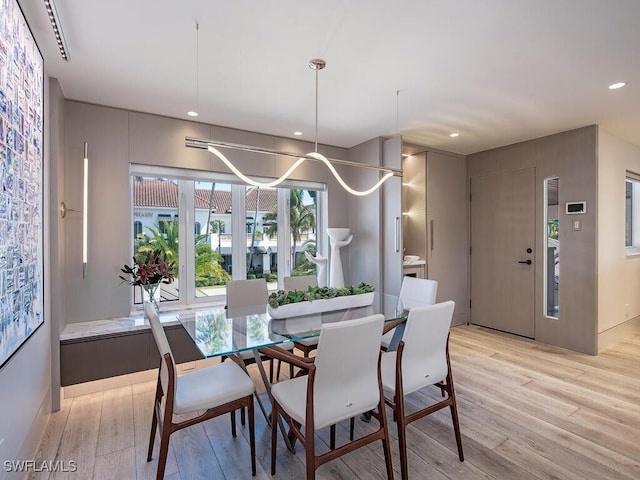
{"x":454,"y":134}
{"x":192,"y":113}
{"x":297,"y":134}
{"x":617,"y":85}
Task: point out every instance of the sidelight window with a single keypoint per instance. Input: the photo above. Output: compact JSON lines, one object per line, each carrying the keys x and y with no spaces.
{"x":552,"y":247}
{"x":632,"y":213}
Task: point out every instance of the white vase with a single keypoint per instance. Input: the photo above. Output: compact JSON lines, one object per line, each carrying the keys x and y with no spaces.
{"x":338,"y":238}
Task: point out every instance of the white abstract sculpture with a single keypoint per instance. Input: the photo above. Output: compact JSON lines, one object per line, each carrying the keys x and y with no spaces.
{"x":321,"y":268}
{"x":339,"y":237}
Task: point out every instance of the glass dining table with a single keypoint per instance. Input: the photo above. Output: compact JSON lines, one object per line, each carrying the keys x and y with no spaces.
{"x":219,"y":331}
{"x":224,"y":332}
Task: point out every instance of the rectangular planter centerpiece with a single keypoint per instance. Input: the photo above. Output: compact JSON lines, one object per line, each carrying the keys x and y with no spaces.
{"x":312,"y":307}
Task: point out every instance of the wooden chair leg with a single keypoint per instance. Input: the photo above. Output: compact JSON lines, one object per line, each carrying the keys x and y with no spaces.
{"x":402,"y":436}
{"x":241,"y":416}
{"x":154,"y":421}
{"x":352,"y":427}
{"x":310,"y":454}
{"x":233,"y":423}
{"x":162,"y":457}
{"x":454,"y":407}
{"x":456,"y":429}
{"x":386,"y":443}
{"x":332,"y":437}
{"x":454,"y":416}
{"x":395,"y":412}
{"x":152,"y":437}
{"x":274,"y":437}
{"x":252,"y":435}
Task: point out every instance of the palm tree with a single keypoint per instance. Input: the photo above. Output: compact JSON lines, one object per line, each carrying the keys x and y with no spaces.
{"x":211,"y":207}
{"x":167,"y":242}
{"x":253,"y":231}
{"x":208,"y":268}
{"x":302,"y":219}
{"x":208,"y":264}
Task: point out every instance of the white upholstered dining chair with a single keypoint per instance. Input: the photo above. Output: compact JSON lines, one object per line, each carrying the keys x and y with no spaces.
{"x":242,"y":294}
{"x":414,"y":292}
{"x":331,"y":393}
{"x":204,"y":393}
{"x":421,"y":360}
{"x":300,"y":282}
{"x":246,"y":293}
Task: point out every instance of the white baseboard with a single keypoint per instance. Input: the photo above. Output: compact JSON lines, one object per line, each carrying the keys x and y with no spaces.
{"x":618,"y":333}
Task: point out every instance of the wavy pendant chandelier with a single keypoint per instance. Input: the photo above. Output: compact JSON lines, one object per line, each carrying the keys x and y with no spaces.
{"x":210,"y":145}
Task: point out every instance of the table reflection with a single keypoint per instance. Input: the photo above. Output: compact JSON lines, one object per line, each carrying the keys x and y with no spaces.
{"x":221,"y":332}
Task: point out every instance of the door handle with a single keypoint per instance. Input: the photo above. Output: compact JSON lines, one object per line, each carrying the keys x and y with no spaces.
{"x":397,"y":235}
{"x":431,"y":235}
{"x":528,"y":262}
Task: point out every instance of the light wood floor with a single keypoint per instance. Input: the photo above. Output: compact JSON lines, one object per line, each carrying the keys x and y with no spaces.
{"x":527,"y":411}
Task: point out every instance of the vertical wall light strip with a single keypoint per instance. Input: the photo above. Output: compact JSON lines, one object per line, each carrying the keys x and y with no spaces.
{"x":85,"y":210}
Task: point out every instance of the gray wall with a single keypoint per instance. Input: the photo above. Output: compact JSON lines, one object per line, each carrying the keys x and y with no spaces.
{"x":364,"y":218}
{"x":25,"y":380}
{"x":55,"y":230}
{"x":117,"y":138}
{"x":618,"y":274}
{"x":571,"y":156}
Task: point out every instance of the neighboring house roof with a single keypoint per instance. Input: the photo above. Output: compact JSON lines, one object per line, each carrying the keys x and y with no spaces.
{"x":164,"y":193}
{"x":268,"y":202}
{"x":154,"y":193}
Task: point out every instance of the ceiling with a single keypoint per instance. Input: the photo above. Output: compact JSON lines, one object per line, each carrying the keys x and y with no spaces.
{"x":496,"y":71}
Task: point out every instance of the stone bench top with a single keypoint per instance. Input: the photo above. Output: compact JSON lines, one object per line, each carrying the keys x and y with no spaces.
{"x":97,"y":328}
{"x":118,"y":326}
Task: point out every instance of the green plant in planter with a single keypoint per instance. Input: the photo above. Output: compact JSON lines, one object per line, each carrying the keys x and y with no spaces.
{"x":281,"y":297}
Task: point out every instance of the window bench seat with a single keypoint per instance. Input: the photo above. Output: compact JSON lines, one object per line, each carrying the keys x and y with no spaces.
{"x":107,"y":348}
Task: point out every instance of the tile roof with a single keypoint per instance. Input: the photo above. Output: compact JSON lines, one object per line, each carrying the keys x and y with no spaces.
{"x":164,"y":193}
{"x":268,"y":200}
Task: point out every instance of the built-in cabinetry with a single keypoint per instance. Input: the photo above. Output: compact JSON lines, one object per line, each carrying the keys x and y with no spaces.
{"x":392,"y":222}
{"x":375,"y":220}
{"x":414,"y":269}
{"x":102,"y":356}
{"x":434,"y":225}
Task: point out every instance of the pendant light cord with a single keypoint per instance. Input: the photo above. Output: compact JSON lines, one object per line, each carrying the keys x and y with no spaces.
{"x":398,"y":112}
{"x":317,"y":64}
{"x":316,"y":141}
{"x":197,"y":64}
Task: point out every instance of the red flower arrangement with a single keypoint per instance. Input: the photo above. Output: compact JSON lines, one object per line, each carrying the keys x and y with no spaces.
{"x":148,"y":268}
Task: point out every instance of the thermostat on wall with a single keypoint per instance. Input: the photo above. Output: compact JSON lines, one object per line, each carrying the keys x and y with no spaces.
{"x":576,"y":208}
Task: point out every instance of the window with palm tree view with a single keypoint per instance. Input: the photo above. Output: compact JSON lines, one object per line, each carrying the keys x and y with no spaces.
{"x":210,"y":228}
